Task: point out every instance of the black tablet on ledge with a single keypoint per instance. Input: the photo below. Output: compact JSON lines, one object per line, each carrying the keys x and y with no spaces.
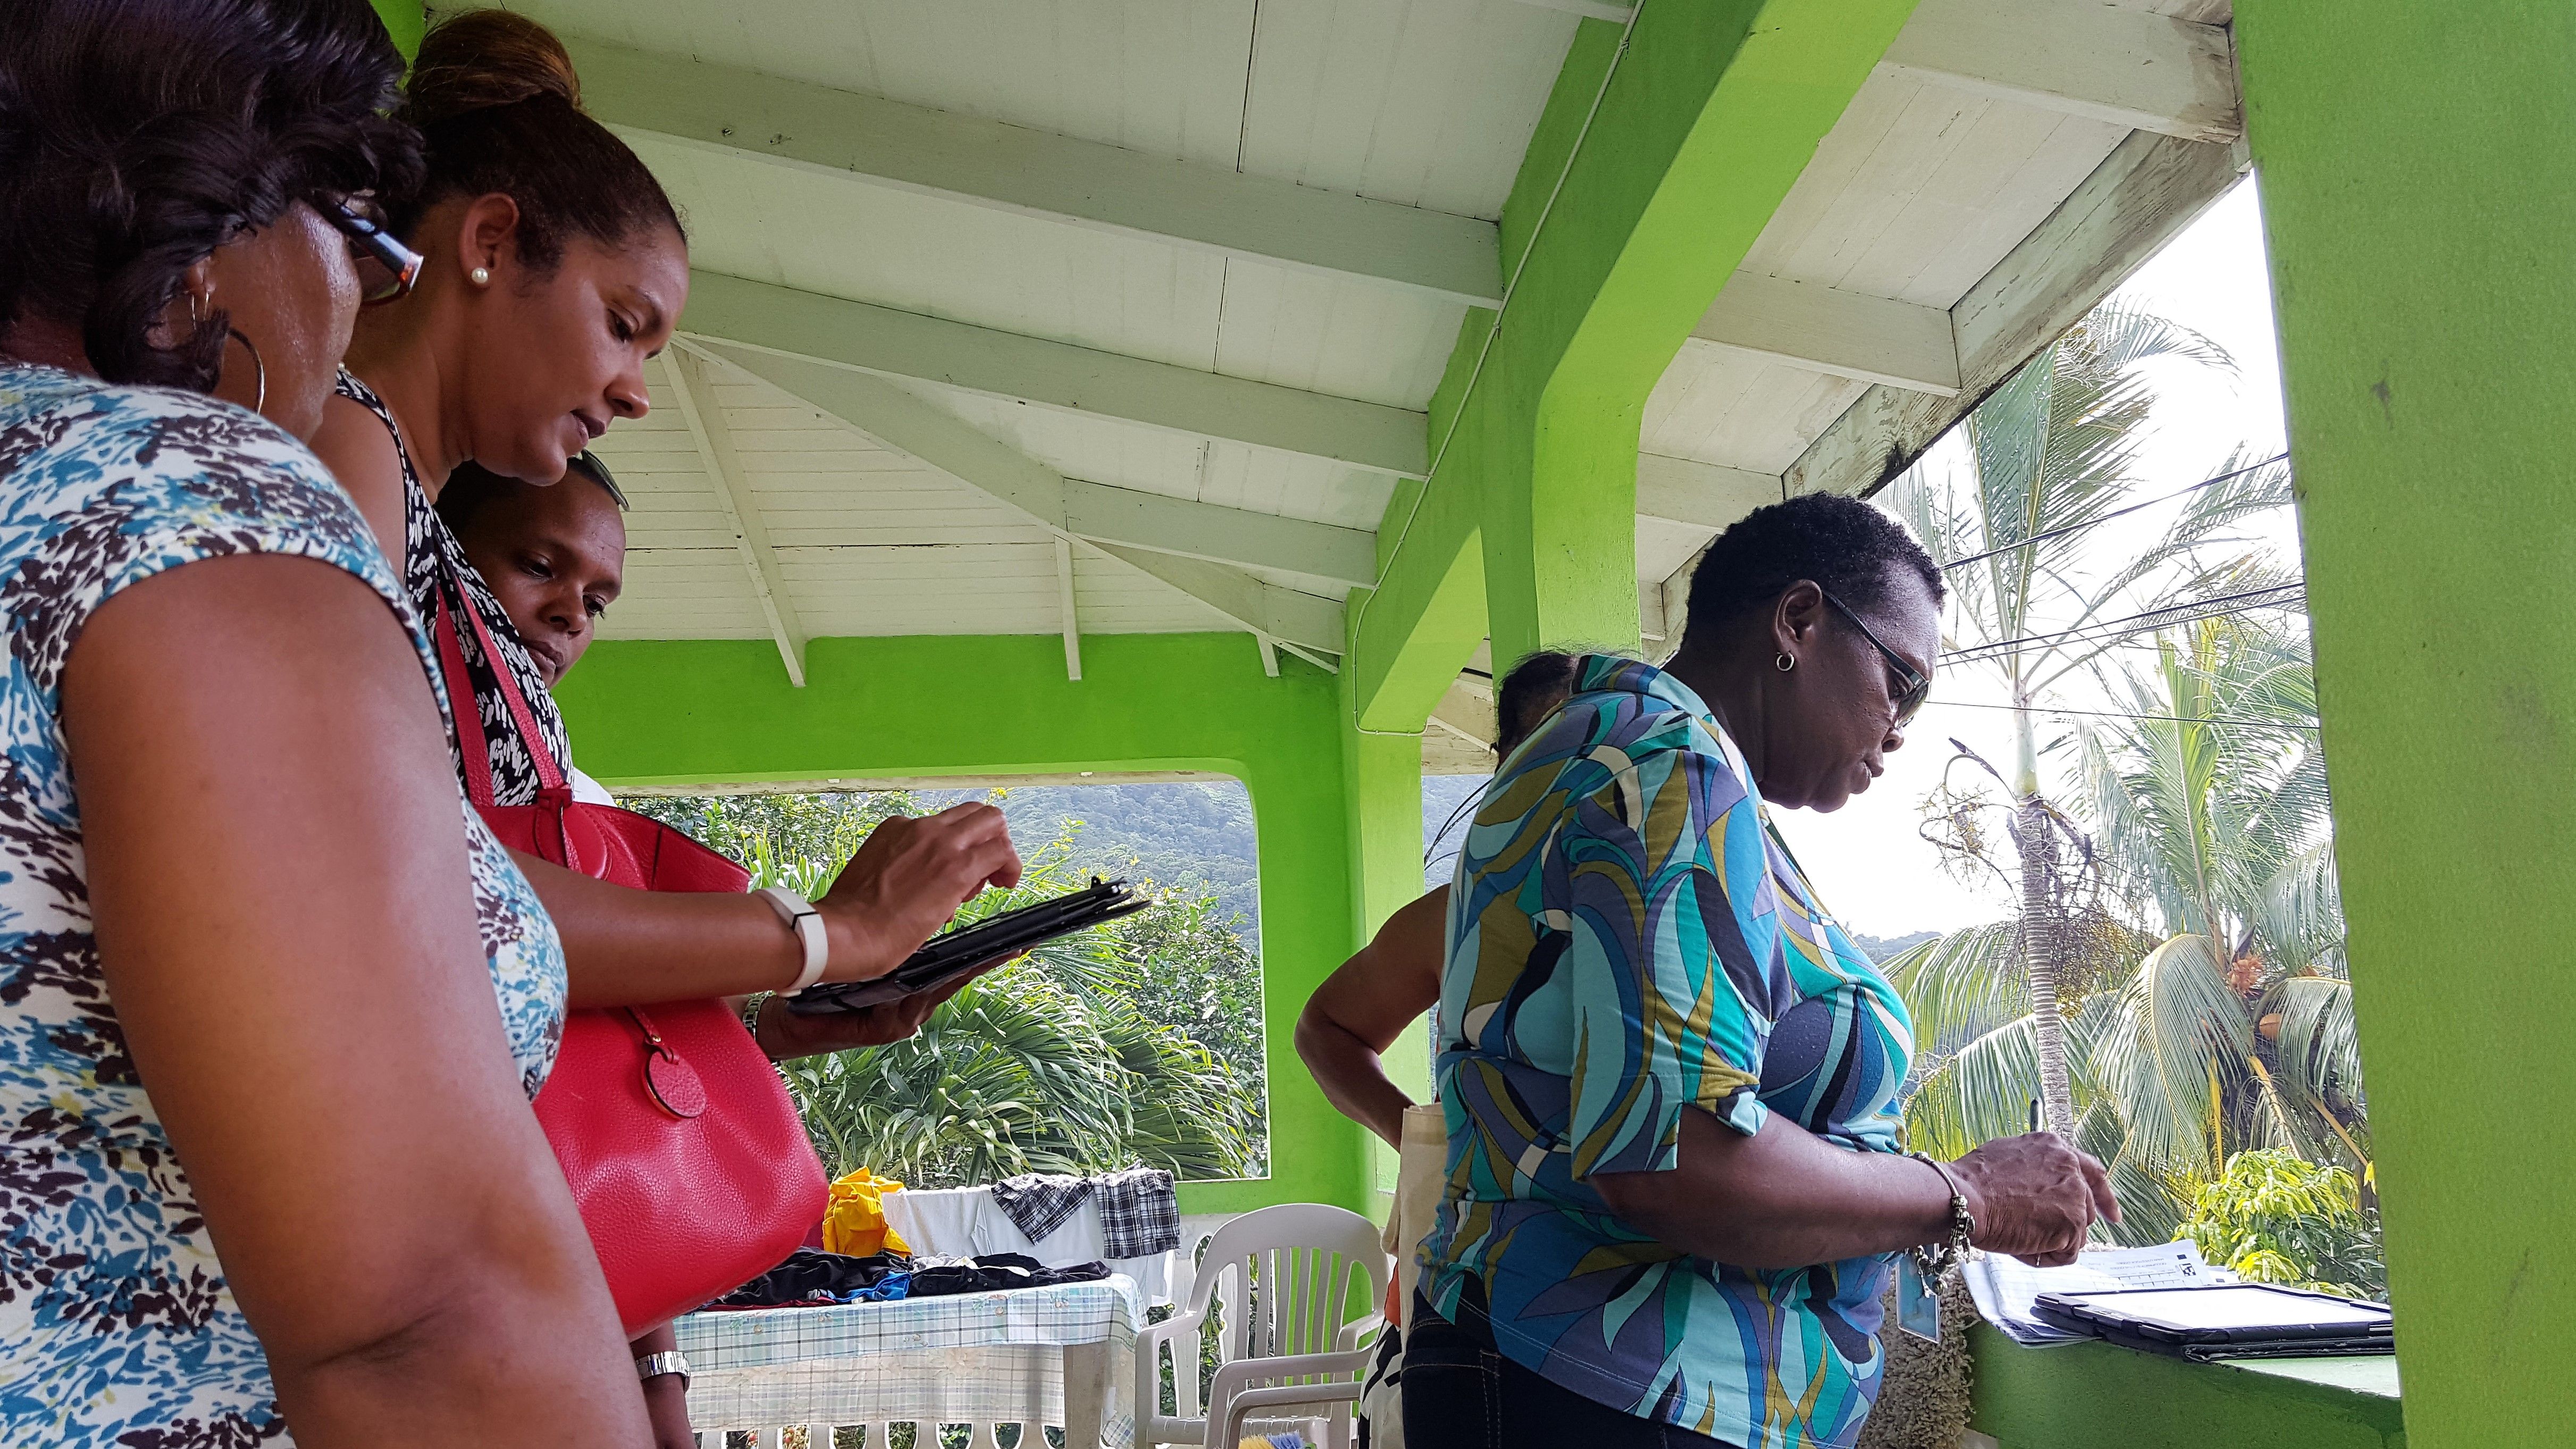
{"x":963,"y":951}
{"x":2227,"y":1320}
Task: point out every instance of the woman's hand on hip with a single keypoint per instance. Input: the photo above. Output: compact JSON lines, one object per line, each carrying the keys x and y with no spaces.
{"x":907,"y":881}
{"x":2034,"y":1197}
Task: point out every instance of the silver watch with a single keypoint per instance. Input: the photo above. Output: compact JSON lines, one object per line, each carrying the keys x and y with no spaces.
{"x":668,"y":1361}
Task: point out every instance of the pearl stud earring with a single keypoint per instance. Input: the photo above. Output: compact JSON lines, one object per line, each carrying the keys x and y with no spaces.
{"x":480,"y":276}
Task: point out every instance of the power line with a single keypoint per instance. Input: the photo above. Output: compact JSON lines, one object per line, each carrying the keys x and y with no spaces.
{"x":2253,"y":724}
{"x":2046,"y":534}
{"x":2277,"y":596}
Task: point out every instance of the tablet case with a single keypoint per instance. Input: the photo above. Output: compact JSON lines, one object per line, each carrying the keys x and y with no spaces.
{"x":962,"y":951}
{"x":2284,"y":1333}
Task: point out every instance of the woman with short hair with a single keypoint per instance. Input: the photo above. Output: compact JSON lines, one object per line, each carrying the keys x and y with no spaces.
{"x":1676,"y":1180}
{"x":265,"y":1058}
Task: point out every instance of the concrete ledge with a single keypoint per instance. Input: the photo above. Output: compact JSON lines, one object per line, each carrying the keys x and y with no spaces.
{"x":2095,"y":1396}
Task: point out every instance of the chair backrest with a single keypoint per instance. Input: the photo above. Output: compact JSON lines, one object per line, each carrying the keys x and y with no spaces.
{"x":1289,"y":1278}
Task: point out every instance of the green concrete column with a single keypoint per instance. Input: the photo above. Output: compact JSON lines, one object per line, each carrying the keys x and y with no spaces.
{"x":405,"y":21}
{"x":1382,"y":803}
{"x":1711,"y":110}
{"x":2418,"y":166}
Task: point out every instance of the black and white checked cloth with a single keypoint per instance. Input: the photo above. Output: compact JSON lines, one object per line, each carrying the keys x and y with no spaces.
{"x":1139,"y":1214}
{"x":1038,"y":1203}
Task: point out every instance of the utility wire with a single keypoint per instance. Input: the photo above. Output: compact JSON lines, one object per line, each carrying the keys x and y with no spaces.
{"x":2046,"y":534}
{"x":2277,"y":596}
{"x":2255,"y":724}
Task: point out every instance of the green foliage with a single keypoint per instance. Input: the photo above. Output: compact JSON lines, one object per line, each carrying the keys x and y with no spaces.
{"x":2277,"y":1218}
{"x":1140,"y":1042}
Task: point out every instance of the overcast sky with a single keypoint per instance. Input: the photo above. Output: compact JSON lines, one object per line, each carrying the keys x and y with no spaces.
{"x":1868,"y":862}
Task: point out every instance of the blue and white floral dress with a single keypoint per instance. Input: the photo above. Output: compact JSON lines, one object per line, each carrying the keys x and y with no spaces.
{"x":116,"y":1328}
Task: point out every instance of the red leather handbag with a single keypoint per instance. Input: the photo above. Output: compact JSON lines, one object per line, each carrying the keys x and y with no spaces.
{"x":685,"y":1154}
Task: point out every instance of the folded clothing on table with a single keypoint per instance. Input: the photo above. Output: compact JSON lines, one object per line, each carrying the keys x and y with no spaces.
{"x":1139,"y":1213}
{"x":810,"y":1277}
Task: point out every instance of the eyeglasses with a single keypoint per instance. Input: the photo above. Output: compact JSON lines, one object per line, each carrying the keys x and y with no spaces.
{"x":588,"y":463}
{"x":1913,"y":685}
{"x":386,"y":268}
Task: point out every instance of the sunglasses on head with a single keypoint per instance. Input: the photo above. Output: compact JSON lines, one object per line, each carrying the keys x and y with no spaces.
{"x":1913,"y":686}
{"x":386,"y":268}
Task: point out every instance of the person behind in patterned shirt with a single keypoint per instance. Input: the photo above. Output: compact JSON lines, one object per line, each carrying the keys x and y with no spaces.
{"x":1676,"y":1183}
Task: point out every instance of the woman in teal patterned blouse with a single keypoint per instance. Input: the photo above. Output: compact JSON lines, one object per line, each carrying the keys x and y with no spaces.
{"x":1676,"y":1182}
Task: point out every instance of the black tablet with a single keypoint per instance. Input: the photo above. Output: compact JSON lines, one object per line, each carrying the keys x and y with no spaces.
{"x":2224,"y":1320}
{"x":963,"y":951}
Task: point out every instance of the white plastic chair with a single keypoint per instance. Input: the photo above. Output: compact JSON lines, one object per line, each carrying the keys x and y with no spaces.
{"x":1287,"y":1278}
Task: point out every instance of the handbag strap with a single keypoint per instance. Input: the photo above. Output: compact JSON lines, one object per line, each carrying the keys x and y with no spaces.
{"x":469,"y":715}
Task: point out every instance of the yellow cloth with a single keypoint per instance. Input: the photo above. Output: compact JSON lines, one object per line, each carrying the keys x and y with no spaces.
{"x":855,"y":1222}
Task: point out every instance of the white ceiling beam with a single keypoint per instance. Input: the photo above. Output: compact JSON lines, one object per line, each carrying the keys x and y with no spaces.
{"x":1103,"y":514}
{"x":696,"y":397}
{"x":2110,"y":62}
{"x":1466,"y":712}
{"x":1822,"y":329}
{"x":1064,"y":599}
{"x":1095,"y":512}
{"x":1284,"y":615}
{"x":1692,"y":494}
{"x":2142,"y":195}
{"x":920,"y":429}
{"x":844,"y":334}
{"x":871,"y":141}
{"x":1590,"y":9}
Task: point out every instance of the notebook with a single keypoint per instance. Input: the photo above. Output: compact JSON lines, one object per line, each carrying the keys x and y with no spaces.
{"x":959,"y":953}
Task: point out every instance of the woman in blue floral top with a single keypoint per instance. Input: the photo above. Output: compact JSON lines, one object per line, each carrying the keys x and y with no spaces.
{"x":271,"y":999}
{"x":1675,"y":1182}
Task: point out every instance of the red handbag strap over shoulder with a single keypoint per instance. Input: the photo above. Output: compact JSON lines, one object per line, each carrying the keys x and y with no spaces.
{"x":461,"y":702}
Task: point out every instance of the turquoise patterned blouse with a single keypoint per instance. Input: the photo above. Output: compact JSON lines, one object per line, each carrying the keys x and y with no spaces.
{"x":1629,"y":936}
{"x":116,"y":1327}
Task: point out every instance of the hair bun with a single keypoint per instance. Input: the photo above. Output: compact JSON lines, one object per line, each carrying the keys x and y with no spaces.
{"x":479,"y":59}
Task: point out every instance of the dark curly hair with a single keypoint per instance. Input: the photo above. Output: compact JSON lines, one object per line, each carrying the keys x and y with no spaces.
{"x":1527,"y":694}
{"x":495,"y":96}
{"x":136,"y":136}
{"x":1850,"y":548}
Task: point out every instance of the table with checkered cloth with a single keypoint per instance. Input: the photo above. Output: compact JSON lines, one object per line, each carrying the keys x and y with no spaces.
{"x":1031,"y":1356}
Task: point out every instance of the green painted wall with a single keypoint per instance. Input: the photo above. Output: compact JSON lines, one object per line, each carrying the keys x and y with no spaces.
{"x":1708,"y":118}
{"x":2094,"y":1396}
{"x":404,"y":19}
{"x":2418,"y":167}
{"x":703,"y":711}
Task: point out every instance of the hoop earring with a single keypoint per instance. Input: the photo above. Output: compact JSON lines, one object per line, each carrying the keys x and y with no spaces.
{"x":480,"y":276}
{"x":259,"y":398}
{"x":1783,"y":663}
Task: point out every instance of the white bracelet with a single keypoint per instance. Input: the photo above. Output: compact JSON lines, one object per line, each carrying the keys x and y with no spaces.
{"x":807,"y":923}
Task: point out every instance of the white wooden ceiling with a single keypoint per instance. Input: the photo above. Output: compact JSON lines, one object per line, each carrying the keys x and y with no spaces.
{"x":1099,"y":316}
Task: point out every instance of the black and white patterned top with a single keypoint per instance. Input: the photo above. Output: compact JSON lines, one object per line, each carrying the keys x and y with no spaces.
{"x":435,"y":563}
{"x":116,"y":1327}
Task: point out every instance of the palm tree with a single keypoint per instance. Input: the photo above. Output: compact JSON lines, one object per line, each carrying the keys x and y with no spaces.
{"x":2229,"y":1026}
{"x":2049,"y":456}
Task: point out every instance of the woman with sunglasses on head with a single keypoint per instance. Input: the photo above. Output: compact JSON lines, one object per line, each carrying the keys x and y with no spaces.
{"x":265,"y":1059}
{"x":1677,"y":1181}
{"x":553,"y":268}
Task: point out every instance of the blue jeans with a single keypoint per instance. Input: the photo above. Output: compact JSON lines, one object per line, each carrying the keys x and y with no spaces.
{"x":1461,"y":1393}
